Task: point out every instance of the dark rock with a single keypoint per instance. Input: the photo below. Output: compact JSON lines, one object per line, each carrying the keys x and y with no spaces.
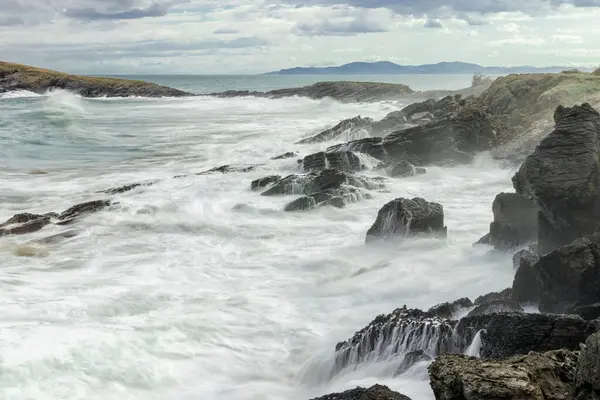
{"x":289,"y":154}
{"x":506,"y":294}
{"x":570,"y":275}
{"x":586,"y":311}
{"x":420,"y":170}
{"x":515,"y":221}
{"x":412,"y":358}
{"x":332,"y":197}
{"x":587,"y":381}
{"x":495,"y":307}
{"x":509,"y":334}
{"x":535,"y":376}
{"x":449,"y":310}
{"x":322,"y":181}
{"x":375,"y":392}
{"x":349,"y":127}
{"x":126,"y":188}
{"x":526,"y":284}
{"x":22,"y":224}
{"x":403,"y":168}
{"x":562,"y":177}
{"x":346,"y":161}
{"x":401,"y":218}
{"x":229,"y":168}
{"x":519,"y":255}
{"x":372,"y":146}
{"x":80,"y":210}
{"x":264,"y":182}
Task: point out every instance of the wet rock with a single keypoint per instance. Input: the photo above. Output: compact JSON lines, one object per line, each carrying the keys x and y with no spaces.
{"x":289,"y":154}
{"x":405,"y":168}
{"x":535,"y":376}
{"x":494,"y":307}
{"x":346,"y":161}
{"x":338,"y":198}
{"x":348,"y":127}
{"x":506,"y":294}
{"x":515,"y":222}
{"x":562,"y":178}
{"x":412,"y":358}
{"x":586,"y":311}
{"x":322,"y":181}
{"x":526,"y":284}
{"x":587,"y":381}
{"x":519,"y":255}
{"x":127,"y":188}
{"x":509,"y":334}
{"x":25,"y":223}
{"x":264,"y":182}
{"x":83,"y":209}
{"x":449,"y":310}
{"x":402,"y":217}
{"x":570,"y":275}
{"x":229,"y":168}
{"x":372,"y":146}
{"x":375,"y":392}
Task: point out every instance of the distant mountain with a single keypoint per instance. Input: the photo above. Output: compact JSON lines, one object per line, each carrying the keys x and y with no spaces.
{"x":389,"y":68}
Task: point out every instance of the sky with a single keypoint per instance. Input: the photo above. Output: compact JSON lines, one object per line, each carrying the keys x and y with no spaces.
{"x":256,"y":36}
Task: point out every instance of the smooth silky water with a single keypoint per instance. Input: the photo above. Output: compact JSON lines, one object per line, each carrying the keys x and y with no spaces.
{"x":197,"y":287}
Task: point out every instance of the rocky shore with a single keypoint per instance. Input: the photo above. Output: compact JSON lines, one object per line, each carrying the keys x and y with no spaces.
{"x":38,"y":80}
{"x":489,"y":348}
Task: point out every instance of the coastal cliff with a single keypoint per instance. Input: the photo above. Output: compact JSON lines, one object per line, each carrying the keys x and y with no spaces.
{"x":39,"y":80}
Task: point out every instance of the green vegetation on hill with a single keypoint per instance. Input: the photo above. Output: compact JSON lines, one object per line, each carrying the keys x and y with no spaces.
{"x":23,"y":77}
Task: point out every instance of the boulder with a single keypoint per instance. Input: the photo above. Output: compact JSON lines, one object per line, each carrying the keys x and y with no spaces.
{"x":402,"y":217}
{"x":562,"y":178}
{"x":264,"y":182}
{"x":570,"y":275}
{"x":515,"y":221}
{"x":526,"y":284}
{"x":587,"y":381}
{"x":535,"y":376}
{"x":375,"y":392}
{"x":346,"y":161}
{"x":404,"y":168}
{"x":348,"y":127}
{"x":508,"y":334}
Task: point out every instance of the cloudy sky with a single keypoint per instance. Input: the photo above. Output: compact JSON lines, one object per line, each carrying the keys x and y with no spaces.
{"x":254,"y":36}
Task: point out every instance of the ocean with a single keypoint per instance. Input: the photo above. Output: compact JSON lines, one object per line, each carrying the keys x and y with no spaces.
{"x":198,"y":287}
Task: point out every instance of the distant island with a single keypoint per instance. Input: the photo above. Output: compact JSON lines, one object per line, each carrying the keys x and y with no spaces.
{"x":389,"y":68}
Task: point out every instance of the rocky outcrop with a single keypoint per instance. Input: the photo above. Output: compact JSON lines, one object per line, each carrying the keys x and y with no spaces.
{"x":23,"y":77}
{"x":562,"y":177}
{"x":587,"y":382}
{"x":506,"y":294}
{"x":570,"y":276}
{"x":289,"y":154}
{"x":404,"y":169}
{"x":526,"y":284}
{"x":402,"y":218}
{"x":347,"y":129}
{"x":449,"y":310}
{"x":344,"y":91}
{"x":346,"y":161}
{"x":264,"y":182}
{"x":339,"y":198}
{"x":495,"y":307}
{"x":515,"y":222}
{"x":535,"y":376}
{"x":375,"y":392}
{"x":228,"y":169}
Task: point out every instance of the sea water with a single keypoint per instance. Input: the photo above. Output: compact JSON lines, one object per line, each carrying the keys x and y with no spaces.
{"x":197,"y":287}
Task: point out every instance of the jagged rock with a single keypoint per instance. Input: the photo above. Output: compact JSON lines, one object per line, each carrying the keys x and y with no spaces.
{"x":535,"y":376}
{"x":526,"y":284}
{"x":562,"y":175}
{"x":289,"y":154}
{"x":410,"y":359}
{"x":509,"y":334}
{"x":346,"y":161}
{"x":264,"y":182}
{"x":523,"y":253}
{"x":570,"y":275}
{"x":401,"y":218}
{"x":228,"y":168}
{"x":322,"y":181}
{"x":586,"y":311}
{"x":515,"y":221}
{"x":83,"y":209}
{"x":495,"y":307}
{"x":126,"y":188}
{"x":375,"y":392}
{"x":332,"y":197}
{"x":24,"y":223}
{"x":587,"y":381}
{"x":506,"y":294}
{"x":349,"y":127}
{"x":449,"y":310}
{"x":372,"y":146}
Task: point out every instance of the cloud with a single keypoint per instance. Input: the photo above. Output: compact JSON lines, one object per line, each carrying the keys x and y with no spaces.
{"x":154,"y":10}
{"x":434,"y":23}
{"x":11,"y":20}
{"x":225,"y":31}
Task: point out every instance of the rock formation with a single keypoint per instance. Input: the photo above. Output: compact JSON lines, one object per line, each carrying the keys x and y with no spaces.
{"x":401,"y":218}
{"x":587,"y":383}
{"x":375,"y":392}
{"x":346,"y":128}
{"x":346,"y":161}
{"x":264,"y":182}
{"x":526,"y":285}
{"x":23,"y":77}
{"x":562,"y":178}
{"x":535,"y":376}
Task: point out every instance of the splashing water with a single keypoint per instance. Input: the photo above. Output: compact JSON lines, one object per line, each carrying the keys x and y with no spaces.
{"x":475,"y":348}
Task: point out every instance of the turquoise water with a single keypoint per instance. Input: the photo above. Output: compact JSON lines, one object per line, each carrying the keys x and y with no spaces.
{"x":199,"y":288}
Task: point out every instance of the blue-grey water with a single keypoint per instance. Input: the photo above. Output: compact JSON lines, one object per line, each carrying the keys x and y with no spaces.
{"x":198,"y":288}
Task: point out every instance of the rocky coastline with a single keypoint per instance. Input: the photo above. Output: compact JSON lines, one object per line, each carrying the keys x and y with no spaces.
{"x":489,"y":348}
